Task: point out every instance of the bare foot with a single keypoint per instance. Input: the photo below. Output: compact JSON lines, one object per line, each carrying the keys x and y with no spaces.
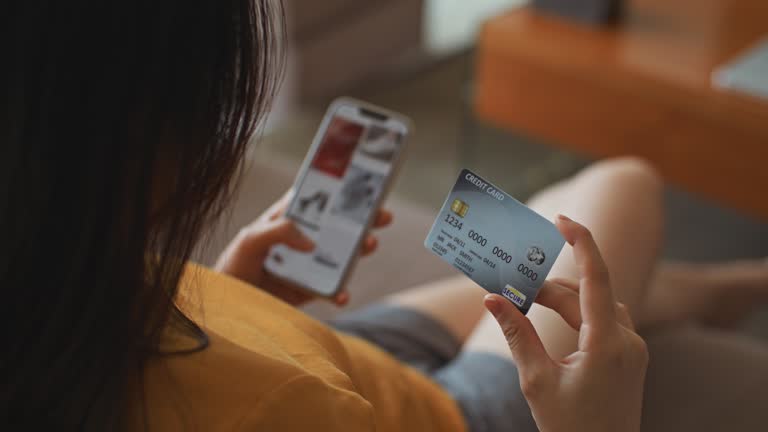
{"x":719,"y":295}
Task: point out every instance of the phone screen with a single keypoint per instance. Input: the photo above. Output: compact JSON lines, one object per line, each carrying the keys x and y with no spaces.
{"x":337,"y":195}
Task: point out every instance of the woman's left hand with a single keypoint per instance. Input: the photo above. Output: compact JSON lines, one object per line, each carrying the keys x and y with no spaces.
{"x":245,"y":255}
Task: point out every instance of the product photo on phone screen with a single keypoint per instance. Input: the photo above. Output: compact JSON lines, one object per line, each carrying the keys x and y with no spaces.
{"x":338,"y":190}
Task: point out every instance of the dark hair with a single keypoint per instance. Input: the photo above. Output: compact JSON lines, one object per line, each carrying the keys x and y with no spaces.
{"x":123,"y":128}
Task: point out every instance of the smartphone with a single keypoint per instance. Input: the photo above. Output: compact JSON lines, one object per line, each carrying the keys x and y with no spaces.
{"x":341,"y":184}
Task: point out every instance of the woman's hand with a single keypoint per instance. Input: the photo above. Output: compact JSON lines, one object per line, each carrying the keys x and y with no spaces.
{"x":598,"y":388}
{"x":245,"y":255}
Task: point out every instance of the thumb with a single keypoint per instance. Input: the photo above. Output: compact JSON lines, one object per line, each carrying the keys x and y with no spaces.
{"x":527,"y":350}
{"x":264,"y":235}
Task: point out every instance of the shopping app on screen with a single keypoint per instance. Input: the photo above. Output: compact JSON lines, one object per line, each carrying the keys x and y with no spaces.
{"x":334,"y":200}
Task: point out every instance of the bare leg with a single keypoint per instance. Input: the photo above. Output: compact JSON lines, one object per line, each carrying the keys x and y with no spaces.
{"x":620,"y":202}
{"x":718,"y":294}
{"x":618,"y":199}
{"x":456,"y":303}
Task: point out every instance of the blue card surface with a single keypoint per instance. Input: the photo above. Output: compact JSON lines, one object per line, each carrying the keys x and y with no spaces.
{"x":498,"y":242}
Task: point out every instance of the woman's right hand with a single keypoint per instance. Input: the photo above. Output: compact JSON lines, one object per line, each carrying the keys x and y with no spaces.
{"x":599,"y":387}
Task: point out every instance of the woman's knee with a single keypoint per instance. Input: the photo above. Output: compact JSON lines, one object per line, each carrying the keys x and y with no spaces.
{"x":631,"y":172}
{"x":632,"y":175}
{"x":633,"y":182}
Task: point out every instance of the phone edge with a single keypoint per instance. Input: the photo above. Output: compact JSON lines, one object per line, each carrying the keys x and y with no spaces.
{"x":316,"y":140}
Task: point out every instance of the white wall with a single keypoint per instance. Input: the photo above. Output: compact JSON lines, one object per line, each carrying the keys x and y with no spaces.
{"x":452,"y":25}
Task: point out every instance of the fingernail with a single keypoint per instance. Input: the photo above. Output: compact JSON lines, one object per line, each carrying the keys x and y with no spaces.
{"x":565,"y":219}
{"x":492,"y":304}
{"x":342,"y":299}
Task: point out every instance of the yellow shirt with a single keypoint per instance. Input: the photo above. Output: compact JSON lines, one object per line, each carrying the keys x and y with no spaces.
{"x":270,"y":367}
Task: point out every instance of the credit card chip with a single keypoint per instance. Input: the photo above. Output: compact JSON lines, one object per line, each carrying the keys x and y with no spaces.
{"x":460,"y":207}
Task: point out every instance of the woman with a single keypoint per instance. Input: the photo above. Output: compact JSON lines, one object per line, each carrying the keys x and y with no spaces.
{"x":124,"y":127}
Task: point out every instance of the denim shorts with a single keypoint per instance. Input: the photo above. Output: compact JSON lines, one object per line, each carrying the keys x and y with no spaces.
{"x":485,"y":386}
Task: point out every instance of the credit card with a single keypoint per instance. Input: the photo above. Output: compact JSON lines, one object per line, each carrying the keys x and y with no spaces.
{"x":498,"y":242}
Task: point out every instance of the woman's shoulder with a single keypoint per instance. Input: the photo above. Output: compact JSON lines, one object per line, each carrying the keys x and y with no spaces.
{"x":215,"y":377}
{"x":223,"y":366}
{"x":228,"y":387}
{"x":266,"y":365}
{"x":308,"y":403}
{"x":260,"y":323}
